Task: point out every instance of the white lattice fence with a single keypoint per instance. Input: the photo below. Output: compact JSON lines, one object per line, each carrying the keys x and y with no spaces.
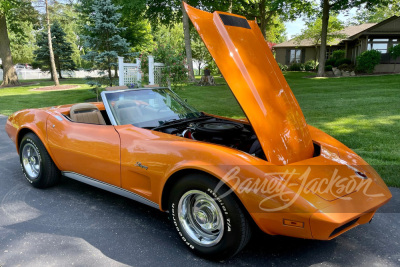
{"x":158,"y":72}
{"x":130,"y":72}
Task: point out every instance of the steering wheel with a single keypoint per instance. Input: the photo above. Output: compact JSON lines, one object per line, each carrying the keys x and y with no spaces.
{"x":165,"y":108}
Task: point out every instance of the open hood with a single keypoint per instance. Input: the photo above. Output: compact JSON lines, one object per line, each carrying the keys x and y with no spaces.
{"x":248,"y":66}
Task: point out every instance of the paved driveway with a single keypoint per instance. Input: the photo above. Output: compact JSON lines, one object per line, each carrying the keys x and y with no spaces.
{"x":76,"y":224}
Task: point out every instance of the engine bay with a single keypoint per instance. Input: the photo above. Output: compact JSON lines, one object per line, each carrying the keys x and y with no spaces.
{"x":209,"y":129}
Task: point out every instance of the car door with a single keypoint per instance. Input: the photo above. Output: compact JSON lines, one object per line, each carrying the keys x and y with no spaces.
{"x":86,"y":149}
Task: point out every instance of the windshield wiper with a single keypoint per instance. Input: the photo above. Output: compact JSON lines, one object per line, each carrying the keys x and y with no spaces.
{"x":174,"y":121}
{"x":167,"y":122}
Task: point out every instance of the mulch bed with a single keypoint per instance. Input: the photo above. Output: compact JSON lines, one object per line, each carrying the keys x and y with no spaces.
{"x":357,"y":75}
{"x":56,"y":88}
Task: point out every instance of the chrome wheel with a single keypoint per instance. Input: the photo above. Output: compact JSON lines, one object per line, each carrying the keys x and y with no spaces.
{"x":31,"y":160}
{"x":201,"y":218}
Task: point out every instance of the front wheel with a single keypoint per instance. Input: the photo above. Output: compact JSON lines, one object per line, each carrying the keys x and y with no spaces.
{"x":212,"y":226}
{"x":36,"y":163}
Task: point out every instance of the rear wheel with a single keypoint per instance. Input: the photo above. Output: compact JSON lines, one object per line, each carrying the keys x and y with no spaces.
{"x":36,"y":163}
{"x":211,"y":223}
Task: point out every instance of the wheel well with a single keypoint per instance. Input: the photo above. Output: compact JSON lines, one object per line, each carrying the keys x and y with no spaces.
{"x":174,"y":178}
{"x":22,"y":133}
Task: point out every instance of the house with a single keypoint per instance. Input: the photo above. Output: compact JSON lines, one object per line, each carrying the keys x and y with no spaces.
{"x":378,"y":36}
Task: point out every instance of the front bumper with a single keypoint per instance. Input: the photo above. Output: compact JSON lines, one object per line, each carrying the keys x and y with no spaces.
{"x":327,"y":223}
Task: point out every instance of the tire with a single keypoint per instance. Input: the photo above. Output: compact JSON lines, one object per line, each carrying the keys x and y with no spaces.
{"x":195,"y":201}
{"x":36,"y":163}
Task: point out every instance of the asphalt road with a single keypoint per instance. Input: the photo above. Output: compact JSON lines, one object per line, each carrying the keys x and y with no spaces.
{"x":76,"y":224}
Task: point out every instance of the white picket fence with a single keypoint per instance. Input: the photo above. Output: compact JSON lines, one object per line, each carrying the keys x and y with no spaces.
{"x":37,"y":74}
{"x":131,"y":72}
{"x":128,"y":73}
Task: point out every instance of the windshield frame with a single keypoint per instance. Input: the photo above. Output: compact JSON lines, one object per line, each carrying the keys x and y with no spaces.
{"x":110,"y":113}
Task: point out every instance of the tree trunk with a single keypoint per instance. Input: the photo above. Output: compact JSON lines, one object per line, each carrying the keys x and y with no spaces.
{"x":52,"y":62}
{"x":199,"y":68}
{"x":110,"y":75}
{"x":186,"y":31}
{"x":263,"y":19}
{"x":59,"y":68}
{"x":324,"y":34}
{"x":9,"y":75}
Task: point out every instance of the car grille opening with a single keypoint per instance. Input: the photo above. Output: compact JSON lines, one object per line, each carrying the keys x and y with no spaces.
{"x":343,"y":227}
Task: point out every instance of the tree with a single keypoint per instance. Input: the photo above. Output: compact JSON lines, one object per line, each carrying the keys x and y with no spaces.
{"x":378,"y":13}
{"x":103,"y":39}
{"x":277,"y":31}
{"x":62,"y":50}
{"x":186,"y":31}
{"x":169,"y":11}
{"x":171,"y":35}
{"x":22,"y":43}
{"x":313,"y":32}
{"x":328,"y":6}
{"x":49,"y":39}
{"x":22,"y":22}
{"x":200,"y":52}
{"x":268,"y":12}
{"x":137,"y":28}
{"x":67,"y":16}
{"x":9,"y":75}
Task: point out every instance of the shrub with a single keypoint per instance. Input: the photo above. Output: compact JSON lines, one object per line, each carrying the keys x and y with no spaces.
{"x":338,"y":54}
{"x":367,"y":61}
{"x":283,"y":67}
{"x":394,"y":51}
{"x":297,"y":67}
{"x":330,"y":61}
{"x":328,"y":68}
{"x":342,"y":61}
{"x":310,"y":65}
{"x":174,"y":71}
{"x":346,"y":67}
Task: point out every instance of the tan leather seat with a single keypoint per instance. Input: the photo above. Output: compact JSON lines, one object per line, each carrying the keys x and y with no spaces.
{"x":86,"y":113}
{"x":128,"y":112}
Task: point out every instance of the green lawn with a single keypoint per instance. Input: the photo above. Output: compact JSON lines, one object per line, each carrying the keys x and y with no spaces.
{"x":17,"y":98}
{"x":362,"y":112}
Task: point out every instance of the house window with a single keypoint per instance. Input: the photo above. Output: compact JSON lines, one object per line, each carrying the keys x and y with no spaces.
{"x":329,"y":52}
{"x":295,"y":56}
{"x":381,"y":44}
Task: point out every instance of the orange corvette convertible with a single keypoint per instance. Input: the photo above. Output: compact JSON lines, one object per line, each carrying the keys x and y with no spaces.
{"x":217,"y":177}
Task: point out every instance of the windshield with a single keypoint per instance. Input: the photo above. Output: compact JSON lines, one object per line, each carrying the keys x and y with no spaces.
{"x":146,"y":107}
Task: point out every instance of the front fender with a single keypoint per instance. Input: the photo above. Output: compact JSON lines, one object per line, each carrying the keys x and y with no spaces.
{"x":29,"y":120}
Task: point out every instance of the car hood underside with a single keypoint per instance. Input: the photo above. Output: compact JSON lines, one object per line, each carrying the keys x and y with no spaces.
{"x":249,"y":68}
